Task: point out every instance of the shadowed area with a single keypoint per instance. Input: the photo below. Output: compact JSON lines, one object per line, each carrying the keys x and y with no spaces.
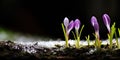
{"x":44,"y":18}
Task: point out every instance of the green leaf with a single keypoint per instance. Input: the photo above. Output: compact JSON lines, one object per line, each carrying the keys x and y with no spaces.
{"x":74,"y":35}
{"x":88,"y":39}
{"x":117,"y":40}
{"x":81,"y":30}
{"x":112,"y":34}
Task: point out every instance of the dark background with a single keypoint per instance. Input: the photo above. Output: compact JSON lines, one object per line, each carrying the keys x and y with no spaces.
{"x":44,"y":17}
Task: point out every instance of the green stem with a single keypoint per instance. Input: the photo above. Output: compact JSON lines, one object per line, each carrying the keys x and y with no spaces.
{"x":77,"y":41}
{"x":111,"y":41}
{"x":67,"y":45}
{"x":97,"y":41}
{"x":65,"y":35}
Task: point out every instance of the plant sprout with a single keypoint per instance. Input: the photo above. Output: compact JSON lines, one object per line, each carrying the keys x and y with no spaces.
{"x":110,"y":36}
{"x":78,"y":34}
{"x":77,"y":26}
{"x":117,"y":40}
{"x":119,"y":31}
{"x":106,"y":20}
{"x":67,"y":27}
{"x":116,"y":37}
{"x":96,"y":28}
{"x":88,"y":39}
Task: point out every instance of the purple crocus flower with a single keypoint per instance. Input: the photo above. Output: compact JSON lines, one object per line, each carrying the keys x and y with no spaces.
{"x":77,"y":24}
{"x":68,"y":26}
{"x":106,"y":20}
{"x":66,"y":22}
{"x":95,"y":25}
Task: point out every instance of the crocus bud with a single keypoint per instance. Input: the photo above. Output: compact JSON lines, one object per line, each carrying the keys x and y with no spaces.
{"x":70,"y":27}
{"x":77,"y":24}
{"x":66,"y":22}
{"x":106,"y":20}
{"x":95,"y":23}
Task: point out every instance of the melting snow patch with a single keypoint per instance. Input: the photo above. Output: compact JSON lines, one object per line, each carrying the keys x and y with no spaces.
{"x":53,"y":43}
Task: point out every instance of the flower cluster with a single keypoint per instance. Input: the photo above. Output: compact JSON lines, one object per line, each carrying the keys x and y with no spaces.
{"x":68,"y":26}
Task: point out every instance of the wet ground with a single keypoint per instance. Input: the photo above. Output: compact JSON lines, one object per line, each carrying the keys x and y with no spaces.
{"x":12,"y":50}
{"x":24,"y":47}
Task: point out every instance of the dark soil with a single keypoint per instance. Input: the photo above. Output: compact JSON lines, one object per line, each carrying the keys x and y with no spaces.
{"x":10,"y":51}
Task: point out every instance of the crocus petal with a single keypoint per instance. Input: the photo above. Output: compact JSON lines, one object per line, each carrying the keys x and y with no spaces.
{"x":66,"y":22}
{"x":77,"y":24}
{"x":70,"y":26}
{"x":106,"y":20}
{"x":95,"y":23}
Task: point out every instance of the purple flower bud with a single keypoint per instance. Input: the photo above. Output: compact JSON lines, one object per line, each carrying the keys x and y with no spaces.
{"x":106,"y":20}
{"x":66,"y":22}
{"x":77,"y":24}
{"x":95,"y":23}
{"x":70,"y":27}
